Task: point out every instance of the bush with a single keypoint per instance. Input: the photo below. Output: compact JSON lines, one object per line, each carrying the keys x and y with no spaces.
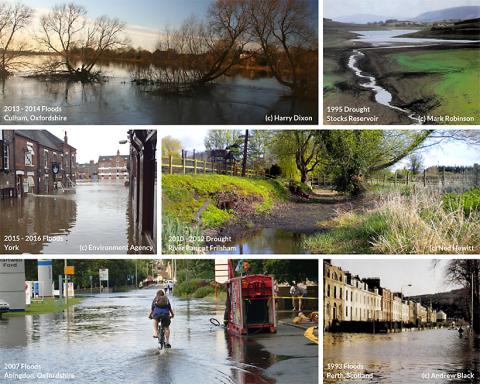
{"x":203,"y":291}
{"x":187,"y":288}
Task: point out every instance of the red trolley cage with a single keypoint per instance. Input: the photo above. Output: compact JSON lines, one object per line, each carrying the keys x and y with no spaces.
{"x":250,"y":305}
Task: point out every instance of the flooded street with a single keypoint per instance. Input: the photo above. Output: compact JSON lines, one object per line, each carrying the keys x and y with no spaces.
{"x":108,"y":338}
{"x":244,"y":98}
{"x":404,"y":357}
{"x":92,"y":218}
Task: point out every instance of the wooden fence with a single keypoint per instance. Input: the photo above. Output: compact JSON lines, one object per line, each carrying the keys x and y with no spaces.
{"x":176,"y":165}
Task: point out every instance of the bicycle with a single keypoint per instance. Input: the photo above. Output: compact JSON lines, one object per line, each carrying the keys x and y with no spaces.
{"x":161,"y":334}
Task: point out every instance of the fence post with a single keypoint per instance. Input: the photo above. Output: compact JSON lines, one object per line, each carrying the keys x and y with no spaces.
{"x":184,"y":163}
{"x":424,"y":178}
{"x":204,"y":166}
{"x":170,"y":164}
{"x":408,"y":176}
{"x":443,"y":177}
{"x":195,"y":166}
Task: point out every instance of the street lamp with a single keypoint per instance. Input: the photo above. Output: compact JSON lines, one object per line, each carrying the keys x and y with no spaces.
{"x":401,"y":303}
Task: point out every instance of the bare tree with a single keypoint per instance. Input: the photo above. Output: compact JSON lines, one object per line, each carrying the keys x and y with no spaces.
{"x":284,"y":29}
{"x":197,"y":52}
{"x":13,"y":18}
{"x":67,"y":31}
{"x":467,"y":274}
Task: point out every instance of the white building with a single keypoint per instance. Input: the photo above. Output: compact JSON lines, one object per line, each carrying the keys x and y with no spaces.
{"x":12,"y":283}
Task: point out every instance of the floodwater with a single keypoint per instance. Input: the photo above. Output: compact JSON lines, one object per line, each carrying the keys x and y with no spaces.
{"x":84,"y":219}
{"x":267,"y":241}
{"x":108,"y":338}
{"x":404,"y":358}
{"x":246,"y":98}
{"x":392,"y":37}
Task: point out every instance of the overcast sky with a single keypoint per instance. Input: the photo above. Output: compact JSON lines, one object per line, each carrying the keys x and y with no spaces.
{"x":398,"y":274}
{"x":454,"y":153}
{"x":92,"y":143}
{"x":393,"y":8}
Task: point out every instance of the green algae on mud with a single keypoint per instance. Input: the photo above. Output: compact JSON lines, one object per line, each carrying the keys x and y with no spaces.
{"x":446,"y":80}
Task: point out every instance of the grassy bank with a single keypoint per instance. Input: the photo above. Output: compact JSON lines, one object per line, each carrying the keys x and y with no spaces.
{"x":434,"y":82}
{"x":193,"y":203}
{"x":47,"y":305}
{"x":404,"y":223}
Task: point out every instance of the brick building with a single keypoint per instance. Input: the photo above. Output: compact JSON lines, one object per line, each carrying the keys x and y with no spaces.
{"x":113,"y":167}
{"x":35,"y":161}
{"x":87,"y":171}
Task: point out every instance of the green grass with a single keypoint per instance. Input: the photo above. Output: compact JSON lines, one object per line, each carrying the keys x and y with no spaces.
{"x":404,"y":223}
{"x":454,"y":82}
{"x":47,"y":305}
{"x":185,"y":195}
{"x":469,"y":201}
{"x":350,"y":233}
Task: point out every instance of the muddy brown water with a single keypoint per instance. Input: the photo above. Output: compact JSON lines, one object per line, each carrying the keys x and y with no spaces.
{"x":404,"y":358}
{"x":243,"y":98}
{"x":108,"y":338}
{"x":91,"y":215}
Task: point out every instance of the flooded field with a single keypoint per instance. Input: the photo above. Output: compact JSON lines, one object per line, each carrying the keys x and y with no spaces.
{"x":92,"y":218}
{"x":243,"y":98}
{"x":403,"y":357}
{"x":109,"y":337}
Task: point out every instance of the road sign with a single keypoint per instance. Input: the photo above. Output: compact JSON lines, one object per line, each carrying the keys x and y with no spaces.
{"x":69,"y":270}
{"x":103,"y":273}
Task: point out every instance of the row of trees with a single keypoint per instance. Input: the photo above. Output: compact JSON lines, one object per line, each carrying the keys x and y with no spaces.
{"x":346,"y":156}
{"x":119,"y":270}
{"x":282,"y":32}
{"x":285,"y":271}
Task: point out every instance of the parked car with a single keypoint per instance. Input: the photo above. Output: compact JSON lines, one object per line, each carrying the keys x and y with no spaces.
{"x":4,"y":307}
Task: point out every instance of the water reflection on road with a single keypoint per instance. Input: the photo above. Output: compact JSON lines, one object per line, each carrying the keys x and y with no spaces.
{"x":404,"y":357}
{"x":108,"y":338}
{"x":92,"y":214}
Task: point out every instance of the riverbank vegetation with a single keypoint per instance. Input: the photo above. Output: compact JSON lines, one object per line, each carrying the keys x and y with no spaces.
{"x":447,"y":224}
{"x":335,"y":187}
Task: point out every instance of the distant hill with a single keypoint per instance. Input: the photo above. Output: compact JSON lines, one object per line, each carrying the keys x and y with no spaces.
{"x":361,"y":18}
{"x":455,"y":13}
{"x":453,"y":303}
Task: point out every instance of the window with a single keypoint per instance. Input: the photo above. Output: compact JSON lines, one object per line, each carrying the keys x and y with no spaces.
{"x":45,"y":158}
{"x":328,"y":290}
{"x":335,"y":292}
{"x":6,"y":156}
{"x":29,"y":156}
